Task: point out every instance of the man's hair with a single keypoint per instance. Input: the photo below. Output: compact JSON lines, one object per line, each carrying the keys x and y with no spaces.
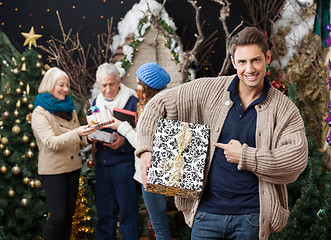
{"x":247,"y":36}
{"x":49,"y":80}
{"x":107,"y":69}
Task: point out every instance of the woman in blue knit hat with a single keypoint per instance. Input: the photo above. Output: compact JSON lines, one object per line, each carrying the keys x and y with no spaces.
{"x":151,"y":79}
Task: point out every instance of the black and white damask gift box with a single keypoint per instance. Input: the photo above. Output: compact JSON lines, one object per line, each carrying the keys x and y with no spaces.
{"x":178,"y":160}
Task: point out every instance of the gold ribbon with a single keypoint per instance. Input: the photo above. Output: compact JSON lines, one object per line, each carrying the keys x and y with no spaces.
{"x":175,"y":164}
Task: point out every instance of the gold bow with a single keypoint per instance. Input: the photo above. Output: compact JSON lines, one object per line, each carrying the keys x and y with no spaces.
{"x":175,"y":164}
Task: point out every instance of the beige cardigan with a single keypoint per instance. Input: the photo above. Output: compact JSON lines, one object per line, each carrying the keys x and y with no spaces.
{"x":281,"y":151}
{"x":58,"y":142}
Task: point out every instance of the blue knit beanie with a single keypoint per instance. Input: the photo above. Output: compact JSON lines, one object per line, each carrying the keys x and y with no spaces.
{"x":153,"y":75}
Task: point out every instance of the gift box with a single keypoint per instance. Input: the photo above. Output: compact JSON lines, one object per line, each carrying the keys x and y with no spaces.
{"x":178,"y":159}
{"x":103,"y":136}
{"x":99,"y":118}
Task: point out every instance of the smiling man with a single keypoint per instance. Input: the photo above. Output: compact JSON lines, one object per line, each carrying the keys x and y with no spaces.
{"x":258,"y":145}
{"x":114,"y":170}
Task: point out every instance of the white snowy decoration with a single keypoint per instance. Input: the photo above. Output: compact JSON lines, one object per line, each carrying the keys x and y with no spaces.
{"x":291,"y":15}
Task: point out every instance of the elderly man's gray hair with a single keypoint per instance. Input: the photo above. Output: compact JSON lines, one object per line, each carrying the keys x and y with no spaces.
{"x":107,"y":69}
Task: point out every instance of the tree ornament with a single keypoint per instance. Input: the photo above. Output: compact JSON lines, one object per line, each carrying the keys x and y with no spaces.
{"x":11,"y":193}
{"x":39,"y":56}
{"x":4,"y":140}
{"x":16,"y":71}
{"x":30,"y":38}
{"x":24,"y":100}
{"x":18,"y":90}
{"x":27,"y":89}
{"x":16,"y":113}
{"x":23,"y":69}
{"x":306,"y":3}
{"x":3,"y":169}
{"x":6,"y":152}
{"x":18,"y":104}
{"x":30,"y":154}
{"x":2,"y":146}
{"x":38,"y":65}
{"x":43,"y":72}
{"x":21,"y":84}
{"x":16,"y":170}
{"x":26,"y":180}
{"x":5,"y":115}
{"x":1,"y":97}
{"x":16,"y":130}
{"x":23,"y":59}
{"x":24,"y":202}
{"x":30,"y":106}
{"x":32,"y":145}
{"x":29,"y":117}
{"x":17,"y":121}
{"x":32,"y":184}
{"x":25,"y":139}
{"x":90,"y":163}
{"x":37,"y":183}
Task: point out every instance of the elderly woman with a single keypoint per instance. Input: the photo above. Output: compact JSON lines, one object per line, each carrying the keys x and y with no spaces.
{"x":59,"y":138}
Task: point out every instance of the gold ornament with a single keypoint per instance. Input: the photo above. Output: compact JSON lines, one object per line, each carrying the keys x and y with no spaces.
{"x":43,"y":72}
{"x":24,"y":202}
{"x":32,"y":145}
{"x":25,"y":139}
{"x":39,"y":56}
{"x":31,"y":38}
{"x":6,"y":152}
{"x":11,"y":193}
{"x":29,"y":117}
{"x":17,"y":121}
{"x":5,"y":115}
{"x":14,"y":61}
{"x":16,"y":71}
{"x":21,"y":84}
{"x":16,"y":170}
{"x":30,"y":106}
{"x":37,"y":183}
{"x":38,"y":65}
{"x":18,"y":104}
{"x":23,"y":59}
{"x":26,"y":180}
{"x":2,"y":146}
{"x":16,"y":113}
{"x":3,"y":169}
{"x":30,"y":154}
{"x":24,"y":100}
{"x":28,"y":89}
{"x":23,"y":69}
{"x":4,"y":140}
{"x":1,"y":97}
{"x":18,"y":90}
{"x":32,"y":184}
{"x":16,"y":129}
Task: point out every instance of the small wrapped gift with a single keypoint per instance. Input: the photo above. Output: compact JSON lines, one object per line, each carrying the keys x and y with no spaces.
{"x":99,"y":118}
{"x":103,"y":136}
{"x":178,"y":160}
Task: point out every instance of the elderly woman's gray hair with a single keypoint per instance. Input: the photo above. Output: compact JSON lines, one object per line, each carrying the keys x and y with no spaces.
{"x":106,"y":69}
{"x":50,"y":78}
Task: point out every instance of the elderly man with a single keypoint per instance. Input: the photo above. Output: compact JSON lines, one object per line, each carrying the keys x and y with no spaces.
{"x":115,"y":186}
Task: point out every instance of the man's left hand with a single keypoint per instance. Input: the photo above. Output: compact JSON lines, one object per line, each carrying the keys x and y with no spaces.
{"x":232,"y":150}
{"x":118,"y":142}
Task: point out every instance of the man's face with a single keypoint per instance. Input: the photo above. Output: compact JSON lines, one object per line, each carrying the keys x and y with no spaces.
{"x":250,"y":63}
{"x":109,"y":86}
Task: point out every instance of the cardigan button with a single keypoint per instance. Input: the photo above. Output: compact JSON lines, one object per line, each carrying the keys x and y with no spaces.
{"x":217,"y":129}
{"x":79,"y":154}
{"x":227,"y":103}
{"x":72,"y":157}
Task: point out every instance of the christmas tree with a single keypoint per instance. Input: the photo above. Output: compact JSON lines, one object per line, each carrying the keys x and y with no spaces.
{"x":22,"y":202}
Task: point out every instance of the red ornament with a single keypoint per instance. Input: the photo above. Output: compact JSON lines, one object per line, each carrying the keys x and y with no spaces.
{"x":90,"y":164}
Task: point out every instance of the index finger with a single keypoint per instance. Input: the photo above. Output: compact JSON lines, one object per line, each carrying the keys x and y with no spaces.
{"x":220,"y":145}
